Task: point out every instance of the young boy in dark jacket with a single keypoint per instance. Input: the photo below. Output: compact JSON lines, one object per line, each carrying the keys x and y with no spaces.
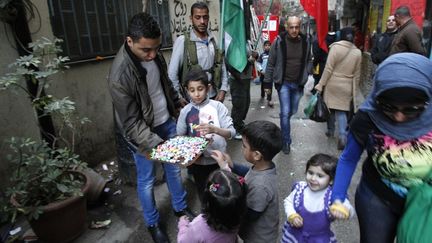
{"x":266,"y":88}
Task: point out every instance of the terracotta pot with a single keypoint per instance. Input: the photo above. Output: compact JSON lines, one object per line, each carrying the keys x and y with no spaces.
{"x":96,"y":184}
{"x":62,"y":221}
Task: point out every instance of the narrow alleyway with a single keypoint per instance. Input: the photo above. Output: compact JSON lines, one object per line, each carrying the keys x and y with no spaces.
{"x":308,"y":138}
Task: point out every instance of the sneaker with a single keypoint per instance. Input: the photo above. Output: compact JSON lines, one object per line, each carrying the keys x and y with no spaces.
{"x":238,"y":136}
{"x":157,"y":234}
{"x":286,"y":149}
{"x":270,"y":104}
{"x":186,"y":212}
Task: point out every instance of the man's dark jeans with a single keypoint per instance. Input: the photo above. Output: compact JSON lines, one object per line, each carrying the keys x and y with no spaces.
{"x":240,"y":95}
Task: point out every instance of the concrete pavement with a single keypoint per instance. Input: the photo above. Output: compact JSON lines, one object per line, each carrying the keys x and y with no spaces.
{"x":124,"y":209}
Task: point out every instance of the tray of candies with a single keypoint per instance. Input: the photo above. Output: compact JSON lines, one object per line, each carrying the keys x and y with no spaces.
{"x":181,"y":150}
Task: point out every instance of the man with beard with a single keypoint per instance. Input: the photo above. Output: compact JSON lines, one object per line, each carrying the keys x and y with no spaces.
{"x":198,"y":47}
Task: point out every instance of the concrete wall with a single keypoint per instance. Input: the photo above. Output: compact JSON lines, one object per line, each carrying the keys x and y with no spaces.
{"x":16,"y":116}
{"x":84,"y":83}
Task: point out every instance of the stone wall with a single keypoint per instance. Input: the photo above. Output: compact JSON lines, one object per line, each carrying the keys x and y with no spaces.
{"x":367,"y":71}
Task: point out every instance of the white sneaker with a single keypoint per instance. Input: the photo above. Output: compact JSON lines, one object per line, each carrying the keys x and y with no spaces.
{"x":238,"y":136}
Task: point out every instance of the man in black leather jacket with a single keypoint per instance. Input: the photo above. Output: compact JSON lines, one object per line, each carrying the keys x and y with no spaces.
{"x":382,"y":44}
{"x":145,"y":104}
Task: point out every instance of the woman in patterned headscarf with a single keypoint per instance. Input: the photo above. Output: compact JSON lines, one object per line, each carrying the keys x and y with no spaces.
{"x":394,"y":125}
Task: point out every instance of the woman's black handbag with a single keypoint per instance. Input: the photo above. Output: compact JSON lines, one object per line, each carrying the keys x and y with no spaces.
{"x":321,"y":113}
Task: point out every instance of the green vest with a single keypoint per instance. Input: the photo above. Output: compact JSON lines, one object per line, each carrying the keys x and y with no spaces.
{"x":190,"y":60}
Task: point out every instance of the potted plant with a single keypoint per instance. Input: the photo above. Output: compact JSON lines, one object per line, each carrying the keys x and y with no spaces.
{"x":46,"y":177}
{"x":46,"y":185}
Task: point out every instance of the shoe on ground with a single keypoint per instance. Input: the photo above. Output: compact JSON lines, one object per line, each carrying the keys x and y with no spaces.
{"x":286,"y":149}
{"x":329,"y":134}
{"x":238,"y":136}
{"x":186,"y":212}
{"x":341,"y":143}
{"x":157,"y":234}
{"x":270,"y":104}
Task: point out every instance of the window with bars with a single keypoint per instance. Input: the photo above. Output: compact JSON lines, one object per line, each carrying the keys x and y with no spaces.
{"x":160,"y":11}
{"x":92,"y":28}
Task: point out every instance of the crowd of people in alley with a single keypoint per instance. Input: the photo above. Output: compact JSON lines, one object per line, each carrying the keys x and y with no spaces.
{"x":155,"y":101}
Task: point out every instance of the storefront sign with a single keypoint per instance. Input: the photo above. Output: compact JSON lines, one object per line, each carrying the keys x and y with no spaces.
{"x":270,"y":29}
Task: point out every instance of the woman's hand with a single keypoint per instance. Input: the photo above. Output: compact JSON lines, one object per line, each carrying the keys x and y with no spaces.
{"x":318,"y":88}
{"x":338,"y":210}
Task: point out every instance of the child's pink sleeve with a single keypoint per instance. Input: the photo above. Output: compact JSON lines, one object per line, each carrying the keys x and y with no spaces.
{"x":183,"y":233}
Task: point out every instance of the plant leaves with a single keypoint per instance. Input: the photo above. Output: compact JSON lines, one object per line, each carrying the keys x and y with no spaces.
{"x":62,"y":188}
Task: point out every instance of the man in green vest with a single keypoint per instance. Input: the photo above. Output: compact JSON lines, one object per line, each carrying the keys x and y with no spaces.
{"x":198,"y":47}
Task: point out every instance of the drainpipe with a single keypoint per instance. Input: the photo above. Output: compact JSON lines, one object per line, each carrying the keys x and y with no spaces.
{"x":22,"y":38}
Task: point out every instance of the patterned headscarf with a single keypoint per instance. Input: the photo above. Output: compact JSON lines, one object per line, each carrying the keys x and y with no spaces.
{"x":401,"y":70}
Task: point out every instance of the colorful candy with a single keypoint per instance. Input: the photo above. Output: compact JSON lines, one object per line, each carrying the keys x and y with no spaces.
{"x":181,"y":149}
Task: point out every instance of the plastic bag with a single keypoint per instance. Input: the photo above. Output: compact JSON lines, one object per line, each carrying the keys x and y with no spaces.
{"x":310,"y":105}
{"x":320,"y":113}
{"x":416,"y":221}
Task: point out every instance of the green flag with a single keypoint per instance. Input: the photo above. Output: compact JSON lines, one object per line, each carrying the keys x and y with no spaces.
{"x":234,"y":34}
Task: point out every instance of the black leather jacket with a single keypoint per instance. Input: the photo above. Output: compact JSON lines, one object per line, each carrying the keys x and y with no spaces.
{"x":381,"y":47}
{"x":133,"y":108}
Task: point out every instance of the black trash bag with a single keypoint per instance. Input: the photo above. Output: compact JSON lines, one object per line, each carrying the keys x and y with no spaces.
{"x":320,"y":113}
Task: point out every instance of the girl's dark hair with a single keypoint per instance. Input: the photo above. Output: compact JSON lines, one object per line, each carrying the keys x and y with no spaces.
{"x":326,"y":162}
{"x":265,"y":137}
{"x":196,"y":74}
{"x":143,"y":25}
{"x":347,"y":34}
{"x":224,"y":201}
